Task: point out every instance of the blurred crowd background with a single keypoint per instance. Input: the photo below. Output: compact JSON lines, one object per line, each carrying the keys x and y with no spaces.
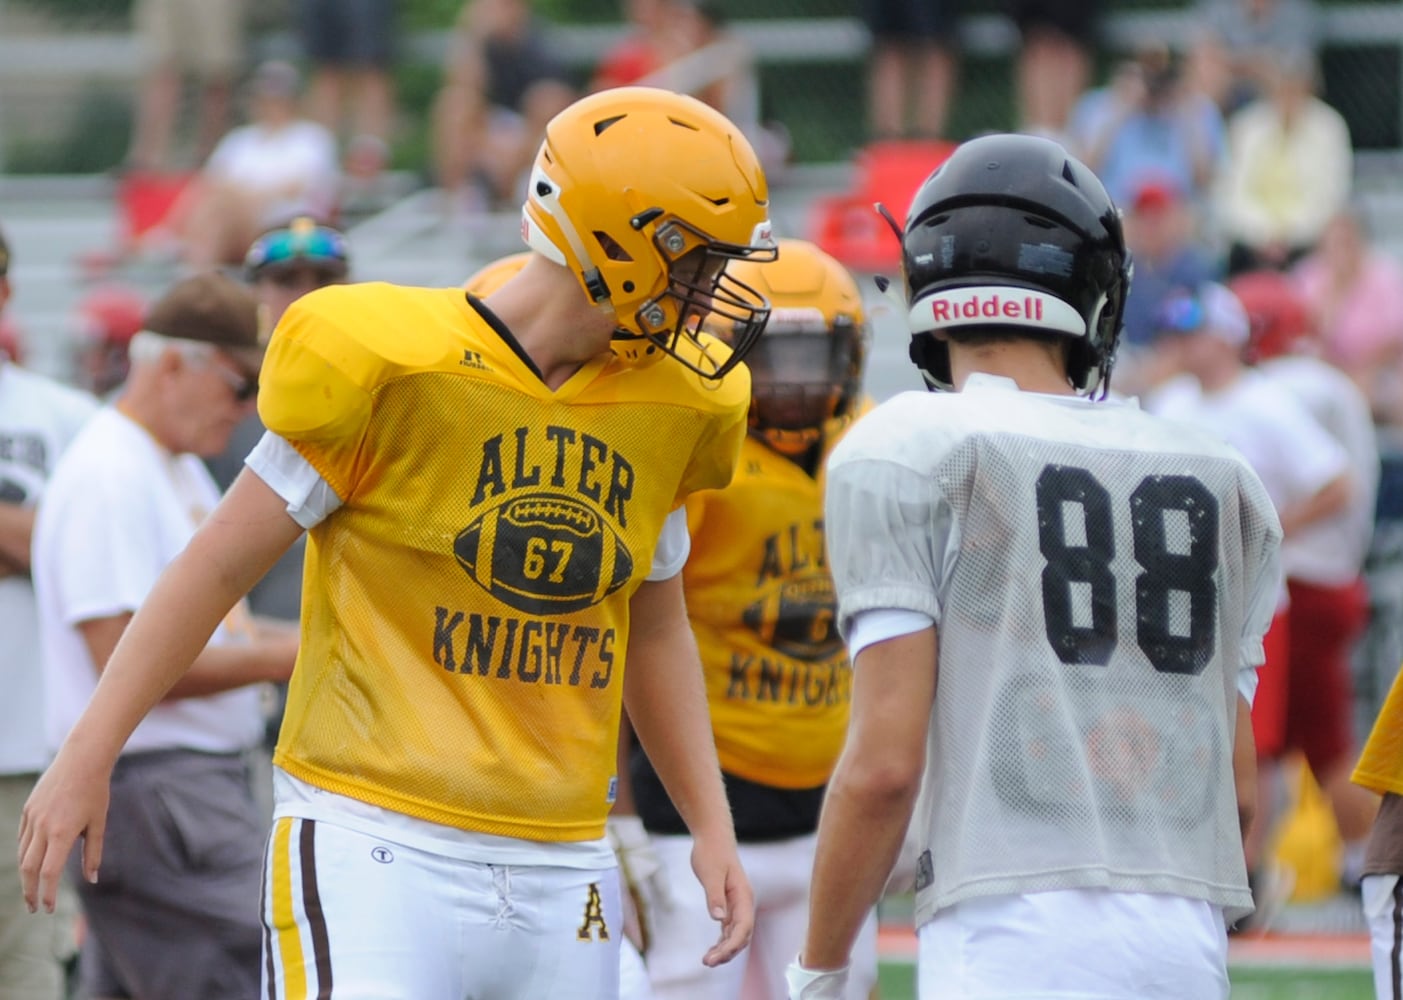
{"x":69,"y":69}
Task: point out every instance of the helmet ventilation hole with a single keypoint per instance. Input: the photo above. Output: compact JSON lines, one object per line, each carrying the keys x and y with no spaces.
{"x":611,"y":247}
{"x":604,"y":123}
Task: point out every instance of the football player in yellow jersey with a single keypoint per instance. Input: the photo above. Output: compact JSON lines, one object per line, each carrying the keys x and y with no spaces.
{"x":1380,"y":769}
{"x":492,"y":491}
{"x":762,"y":606}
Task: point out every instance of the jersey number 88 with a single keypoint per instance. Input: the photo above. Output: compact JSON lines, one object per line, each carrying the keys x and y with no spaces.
{"x":1186,"y":570}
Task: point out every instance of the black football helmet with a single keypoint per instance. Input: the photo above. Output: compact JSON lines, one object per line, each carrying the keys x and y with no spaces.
{"x":1014,"y":231}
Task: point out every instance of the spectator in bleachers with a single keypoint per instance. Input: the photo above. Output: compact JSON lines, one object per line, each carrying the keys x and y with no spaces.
{"x":202,"y":39}
{"x":1058,"y":38}
{"x":1289,"y":170}
{"x":912,"y":67}
{"x":1160,"y":232}
{"x":1149,"y":122}
{"x":502,"y":84}
{"x":349,"y":46}
{"x":1239,"y":41}
{"x":38,"y":419}
{"x":1355,"y":293}
{"x":276,"y":166}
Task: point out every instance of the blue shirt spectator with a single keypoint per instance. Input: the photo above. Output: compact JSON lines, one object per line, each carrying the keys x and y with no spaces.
{"x":1147,"y":121}
{"x":1167,"y":259}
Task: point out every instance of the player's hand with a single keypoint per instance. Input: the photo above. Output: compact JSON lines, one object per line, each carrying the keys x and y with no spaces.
{"x":644,"y":878}
{"x":815,"y":984}
{"x":729,"y":898}
{"x":70,"y":801}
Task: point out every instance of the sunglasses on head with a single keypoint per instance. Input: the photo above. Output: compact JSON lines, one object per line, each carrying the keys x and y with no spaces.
{"x":243,"y":387}
{"x":304,"y":243}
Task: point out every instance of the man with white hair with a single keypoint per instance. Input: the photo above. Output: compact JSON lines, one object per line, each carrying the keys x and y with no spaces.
{"x":176,"y":912}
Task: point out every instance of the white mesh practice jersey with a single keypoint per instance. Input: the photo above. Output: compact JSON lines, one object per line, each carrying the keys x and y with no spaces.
{"x":1097,"y":576}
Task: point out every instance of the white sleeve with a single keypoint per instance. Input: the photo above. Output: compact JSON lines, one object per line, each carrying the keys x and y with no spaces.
{"x":889,"y":536}
{"x":674,"y":545}
{"x":1247,"y":682}
{"x":309,"y":498}
{"x":1263,"y":592}
{"x":868,"y":628}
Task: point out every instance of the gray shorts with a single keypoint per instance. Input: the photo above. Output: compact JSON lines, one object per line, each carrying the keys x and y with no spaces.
{"x":175,"y":910}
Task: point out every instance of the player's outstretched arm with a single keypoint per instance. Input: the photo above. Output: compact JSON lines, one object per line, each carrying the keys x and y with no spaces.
{"x":666,"y":701}
{"x":1244,"y":763}
{"x":236,"y":545}
{"x":870,"y":797}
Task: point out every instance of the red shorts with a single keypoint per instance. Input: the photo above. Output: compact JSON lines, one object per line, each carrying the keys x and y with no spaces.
{"x":1305,"y":694}
{"x":1269,"y":706}
{"x":1325,"y":624}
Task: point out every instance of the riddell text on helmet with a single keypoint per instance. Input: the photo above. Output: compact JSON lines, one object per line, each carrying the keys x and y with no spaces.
{"x":995,"y":304}
{"x":993,"y":307}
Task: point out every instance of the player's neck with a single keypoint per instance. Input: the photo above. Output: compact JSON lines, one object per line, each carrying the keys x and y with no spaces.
{"x":1031,"y":365}
{"x":547,"y":313}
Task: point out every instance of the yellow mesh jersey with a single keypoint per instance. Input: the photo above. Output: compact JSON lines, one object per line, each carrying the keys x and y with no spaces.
{"x":763,"y":609}
{"x":1380,"y":766}
{"x":465,"y":612}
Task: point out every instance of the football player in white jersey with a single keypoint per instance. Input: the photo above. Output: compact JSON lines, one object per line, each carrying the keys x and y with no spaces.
{"x":1055,"y":605}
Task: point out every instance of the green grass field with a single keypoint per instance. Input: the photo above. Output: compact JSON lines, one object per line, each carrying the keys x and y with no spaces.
{"x":1258,"y":983}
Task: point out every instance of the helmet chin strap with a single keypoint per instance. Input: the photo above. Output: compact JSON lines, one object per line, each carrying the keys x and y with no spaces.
{"x":1097,"y":374}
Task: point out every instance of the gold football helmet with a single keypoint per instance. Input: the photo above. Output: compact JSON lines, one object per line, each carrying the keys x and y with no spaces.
{"x":646,"y":195}
{"x":807,"y":368}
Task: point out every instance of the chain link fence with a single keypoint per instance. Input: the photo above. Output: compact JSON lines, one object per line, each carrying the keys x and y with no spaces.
{"x":69,"y":68}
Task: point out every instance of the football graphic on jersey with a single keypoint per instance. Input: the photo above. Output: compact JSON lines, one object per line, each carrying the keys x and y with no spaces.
{"x":544,"y":554}
{"x":798,"y":619}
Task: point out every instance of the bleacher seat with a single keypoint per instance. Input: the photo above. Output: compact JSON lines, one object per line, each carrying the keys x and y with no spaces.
{"x":848,"y":227}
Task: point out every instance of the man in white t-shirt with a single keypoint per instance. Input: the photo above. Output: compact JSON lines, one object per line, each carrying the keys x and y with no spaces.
{"x":1054,"y":606}
{"x":176,"y":911}
{"x":1306,"y":472}
{"x":1323,"y":561}
{"x":38,"y":418}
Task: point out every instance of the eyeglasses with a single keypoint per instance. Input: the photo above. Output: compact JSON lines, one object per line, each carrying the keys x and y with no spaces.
{"x":302,"y":242}
{"x":243,"y":387}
